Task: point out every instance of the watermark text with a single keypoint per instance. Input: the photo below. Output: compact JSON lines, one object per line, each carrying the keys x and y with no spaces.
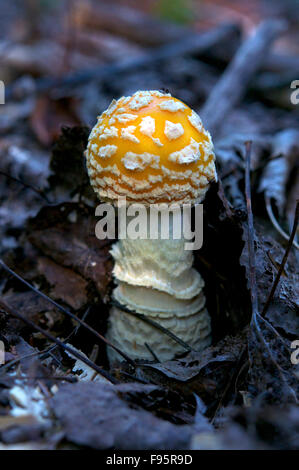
{"x":2,"y":92}
{"x":2,"y":353}
{"x":156,"y":221}
{"x":295,"y":94}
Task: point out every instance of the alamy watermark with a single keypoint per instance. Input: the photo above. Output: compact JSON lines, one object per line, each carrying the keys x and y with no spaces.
{"x":295,"y":94}
{"x":295,"y":354}
{"x":2,"y":353}
{"x":2,"y":92}
{"x":156,"y":221}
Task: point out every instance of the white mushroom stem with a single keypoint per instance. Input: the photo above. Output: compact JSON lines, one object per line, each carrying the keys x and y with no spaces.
{"x":156,"y":278}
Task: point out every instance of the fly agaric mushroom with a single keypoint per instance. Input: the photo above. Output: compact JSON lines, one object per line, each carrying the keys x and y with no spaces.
{"x":152,"y":148}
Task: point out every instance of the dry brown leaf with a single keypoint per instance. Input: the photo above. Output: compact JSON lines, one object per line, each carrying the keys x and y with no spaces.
{"x":66,"y":234}
{"x":95,"y":416}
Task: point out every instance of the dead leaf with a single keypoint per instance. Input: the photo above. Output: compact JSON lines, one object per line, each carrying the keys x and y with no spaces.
{"x":49,"y":116}
{"x":268,"y":255}
{"x":66,"y":233}
{"x":176,"y":407}
{"x":33,"y":307}
{"x":95,"y":416}
{"x":206,"y":373}
{"x":271,"y":371}
{"x":64,"y":282}
{"x":226,"y":351}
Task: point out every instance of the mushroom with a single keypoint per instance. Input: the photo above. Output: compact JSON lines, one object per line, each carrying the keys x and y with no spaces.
{"x":152,"y":148}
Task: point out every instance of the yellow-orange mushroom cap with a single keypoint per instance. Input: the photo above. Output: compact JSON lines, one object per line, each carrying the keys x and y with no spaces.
{"x":151,"y":148}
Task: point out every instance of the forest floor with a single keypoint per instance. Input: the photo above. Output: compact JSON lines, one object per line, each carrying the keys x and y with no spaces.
{"x":62,"y":67}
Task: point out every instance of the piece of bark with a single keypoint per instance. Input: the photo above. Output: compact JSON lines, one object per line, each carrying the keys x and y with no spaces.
{"x":233,"y":84}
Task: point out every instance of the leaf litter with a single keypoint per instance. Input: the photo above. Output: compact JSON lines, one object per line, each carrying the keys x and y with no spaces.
{"x":56,"y":387}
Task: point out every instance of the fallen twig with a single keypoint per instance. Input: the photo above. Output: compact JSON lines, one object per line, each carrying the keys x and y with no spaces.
{"x":41,"y":353}
{"x":192,"y":43}
{"x":251,"y":252}
{"x":256,"y":317}
{"x":234,"y":373}
{"x":39,"y":192}
{"x":225,"y":202}
{"x":6,"y":309}
{"x":153,"y":323}
{"x":234,"y":81}
{"x":64,"y":310}
{"x":276,"y":224}
{"x":152,"y":352}
{"x":71,"y":379}
{"x":284,"y":260}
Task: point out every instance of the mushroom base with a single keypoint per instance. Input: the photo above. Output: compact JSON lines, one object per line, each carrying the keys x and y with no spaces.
{"x":130,"y":335}
{"x":155,"y":278}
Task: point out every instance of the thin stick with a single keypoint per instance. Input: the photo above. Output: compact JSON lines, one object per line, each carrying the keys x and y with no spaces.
{"x":284,"y":260}
{"x":152,"y":352}
{"x":72,"y":379}
{"x":41,"y":353}
{"x":191,"y":43}
{"x":233,"y":83}
{"x":256,"y":317}
{"x":64,"y":310}
{"x":224,"y":200}
{"x":4,"y":307}
{"x":39,"y":192}
{"x":232,"y":375}
{"x":134,"y":377}
{"x":276,"y":224}
{"x":251,"y":251}
{"x":152,"y":323}
{"x":13,"y":362}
